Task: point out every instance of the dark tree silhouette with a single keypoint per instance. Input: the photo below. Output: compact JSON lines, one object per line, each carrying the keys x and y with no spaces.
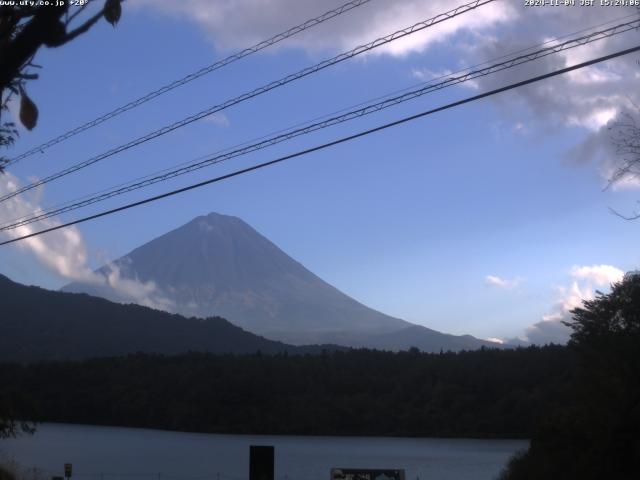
{"x":625,"y":136}
{"x":24,"y":29}
{"x":484,"y":393}
{"x":9,"y":425}
{"x":598,"y":436}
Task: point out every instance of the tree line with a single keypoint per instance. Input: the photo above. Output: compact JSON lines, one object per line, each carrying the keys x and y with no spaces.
{"x":484,"y":393}
{"x":595,"y":434}
{"x":579,"y":404}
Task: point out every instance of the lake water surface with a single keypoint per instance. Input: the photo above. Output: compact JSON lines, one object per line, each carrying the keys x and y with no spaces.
{"x":109,"y":453}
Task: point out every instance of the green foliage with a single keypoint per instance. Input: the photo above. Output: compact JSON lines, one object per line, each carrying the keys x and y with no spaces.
{"x":598,"y":434}
{"x":485,"y":393}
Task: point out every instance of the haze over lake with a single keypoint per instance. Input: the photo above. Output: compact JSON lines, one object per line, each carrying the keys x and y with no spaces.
{"x":111,"y":453}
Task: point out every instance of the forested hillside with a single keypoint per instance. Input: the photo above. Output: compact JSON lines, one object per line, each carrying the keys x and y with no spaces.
{"x":486,"y":393}
{"x":39,"y":324}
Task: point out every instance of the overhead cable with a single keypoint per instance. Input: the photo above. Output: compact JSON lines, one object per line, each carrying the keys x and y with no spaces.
{"x":430,"y":87}
{"x":328,"y":144}
{"x":253,"y":93}
{"x":189,"y":78}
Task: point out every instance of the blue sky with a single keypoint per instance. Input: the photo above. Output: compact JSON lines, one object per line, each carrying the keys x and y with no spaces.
{"x":488,"y":219}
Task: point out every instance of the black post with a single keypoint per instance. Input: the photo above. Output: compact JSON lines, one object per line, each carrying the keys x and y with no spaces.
{"x":261,"y":462}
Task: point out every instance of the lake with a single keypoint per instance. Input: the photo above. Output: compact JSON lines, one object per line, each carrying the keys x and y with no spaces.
{"x":112,"y":453}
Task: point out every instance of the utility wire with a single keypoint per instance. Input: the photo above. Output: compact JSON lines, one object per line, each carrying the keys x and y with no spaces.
{"x":350,"y":115}
{"x":325,"y":116}
{"x":192,"y":76}
{"x":246,"y":96}
{"x":195,"y":165}
{"x":331,"y":144}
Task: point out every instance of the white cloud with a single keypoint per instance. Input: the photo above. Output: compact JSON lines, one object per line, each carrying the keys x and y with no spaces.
{"x":218,"y":118}
{"x":602,"y":275}
{"x":64,"y":251}
{"x":585,"y":279}
{"x":233,"y":25}
{"x":546,"y":332}
{"x":505,"y":283}
{"x":626,"y":182}
{"x":520,"y":127}
{"x":133,"y":290}
{"x":590,"y":99}
{"x":425,"y":75}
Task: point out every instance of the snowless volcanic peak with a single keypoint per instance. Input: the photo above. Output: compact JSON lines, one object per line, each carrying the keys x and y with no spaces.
{"x":219,"y":265}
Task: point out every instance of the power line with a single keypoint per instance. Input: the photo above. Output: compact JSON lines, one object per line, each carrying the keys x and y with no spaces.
{"x":167,"y":173}
{"x":325,"y":116}
{"x":192,"y":76}
{"x":430,"y":87}
{"x":246,"y":96}
{"x":332,"y":143}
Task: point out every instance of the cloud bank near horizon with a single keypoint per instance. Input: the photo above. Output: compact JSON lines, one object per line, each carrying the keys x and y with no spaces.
{"x":64,"y":252}
{"x":584,"y":282}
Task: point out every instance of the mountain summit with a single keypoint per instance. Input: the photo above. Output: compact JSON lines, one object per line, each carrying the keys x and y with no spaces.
{"x":219,"y":265}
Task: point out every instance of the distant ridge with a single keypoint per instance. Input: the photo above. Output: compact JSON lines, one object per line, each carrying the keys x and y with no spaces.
{"x":38,"y":324}
{"x":219,"y":265}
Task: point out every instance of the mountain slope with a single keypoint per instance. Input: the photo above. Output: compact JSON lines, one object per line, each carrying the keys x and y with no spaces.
{"x":38,"y":324}
{"x":219,"y":265}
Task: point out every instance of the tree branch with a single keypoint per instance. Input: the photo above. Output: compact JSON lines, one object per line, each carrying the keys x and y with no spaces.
{"x":78,"y":31}
{"x":37,"y":31}
{"x":76,"y":13}
{"x":635,"y":216}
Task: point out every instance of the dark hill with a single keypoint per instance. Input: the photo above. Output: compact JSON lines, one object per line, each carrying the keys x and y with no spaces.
{"x":38,"y":324}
